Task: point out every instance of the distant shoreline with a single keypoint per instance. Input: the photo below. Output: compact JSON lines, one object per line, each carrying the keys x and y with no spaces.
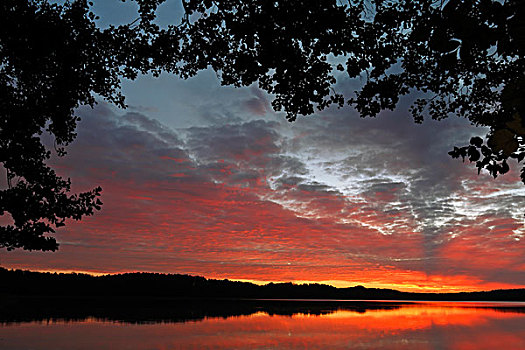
{"x":23,"y":283}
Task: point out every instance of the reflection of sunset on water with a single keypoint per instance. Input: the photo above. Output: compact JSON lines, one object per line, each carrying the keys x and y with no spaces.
{"x":419,"y":325}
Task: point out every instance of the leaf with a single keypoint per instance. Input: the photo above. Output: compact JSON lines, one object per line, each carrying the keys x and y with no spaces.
{"x":504,"y":168}
{"x":486,"y":151}
{"x":516,"y":125}
{"x":454,"y":153}
{"x":473,"y":154}
{"x":503,"y":140}
{"x":440,"y":41}
{"x":476,"y":141}
{"x":450,"y":7}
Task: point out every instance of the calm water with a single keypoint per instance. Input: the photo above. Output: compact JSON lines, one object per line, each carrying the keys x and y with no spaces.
{"x":288,"y":325}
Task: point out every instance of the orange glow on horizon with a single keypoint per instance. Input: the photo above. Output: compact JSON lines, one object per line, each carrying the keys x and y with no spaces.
{"x":334,"y":202}
{"x":396,"y":286}
{"x":415,"y":288}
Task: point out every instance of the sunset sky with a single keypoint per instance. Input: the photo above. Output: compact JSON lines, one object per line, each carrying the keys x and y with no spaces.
{"x":208,"y":180}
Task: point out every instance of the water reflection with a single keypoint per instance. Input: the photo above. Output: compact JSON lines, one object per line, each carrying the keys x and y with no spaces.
{"x":282,"y":325}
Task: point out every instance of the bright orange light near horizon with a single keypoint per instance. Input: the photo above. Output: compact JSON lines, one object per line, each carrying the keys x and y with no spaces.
{"x":428,"y":284}
{"x":396,"y":286}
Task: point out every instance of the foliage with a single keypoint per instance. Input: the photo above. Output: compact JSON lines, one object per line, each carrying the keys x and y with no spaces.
{"x":52,"y":60}
{"x":462,"y":57}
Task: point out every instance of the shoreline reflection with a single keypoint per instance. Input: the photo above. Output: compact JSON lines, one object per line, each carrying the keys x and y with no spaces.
{"x":284,"y":325}
{"x":147,"y":311}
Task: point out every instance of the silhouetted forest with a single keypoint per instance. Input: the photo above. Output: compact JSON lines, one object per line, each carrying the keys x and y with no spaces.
{"x":151,"y":297}
{"x":28,"y":283}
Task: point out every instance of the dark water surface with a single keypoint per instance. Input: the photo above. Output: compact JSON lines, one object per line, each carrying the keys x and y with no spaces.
{"x":284,"y":324}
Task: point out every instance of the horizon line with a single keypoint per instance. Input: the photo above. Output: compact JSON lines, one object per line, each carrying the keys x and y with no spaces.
{"x":331,"y":283}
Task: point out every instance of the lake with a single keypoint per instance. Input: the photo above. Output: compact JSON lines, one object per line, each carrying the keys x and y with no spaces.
{"x":283,"y":324}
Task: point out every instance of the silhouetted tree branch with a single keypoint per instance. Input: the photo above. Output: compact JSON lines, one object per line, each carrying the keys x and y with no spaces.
{"x":465,"y":57}
{"x":54,"y":59}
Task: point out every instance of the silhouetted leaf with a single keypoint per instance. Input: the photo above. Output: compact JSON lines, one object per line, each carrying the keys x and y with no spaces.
{"x":504,"y":168}
{"x":503,"y":140}
{"x":476,"y":141}
{"x":473,"y":154}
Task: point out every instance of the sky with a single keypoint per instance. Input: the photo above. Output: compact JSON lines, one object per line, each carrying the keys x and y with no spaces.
{"x":208,"y":180}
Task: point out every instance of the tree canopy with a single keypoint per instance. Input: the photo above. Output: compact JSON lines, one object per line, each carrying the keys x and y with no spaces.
{"x":52,"y":60}
{"x":460,"y":57}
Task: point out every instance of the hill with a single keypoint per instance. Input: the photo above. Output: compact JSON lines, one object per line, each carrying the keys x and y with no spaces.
{"x":29,"y":283}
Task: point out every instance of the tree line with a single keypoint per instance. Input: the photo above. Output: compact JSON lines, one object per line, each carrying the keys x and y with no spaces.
{"x":148,"y":285}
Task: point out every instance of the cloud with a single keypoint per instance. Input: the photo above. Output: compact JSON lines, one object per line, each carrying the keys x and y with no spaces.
{"x":259,"y":104}
{"x":334,"y":197}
